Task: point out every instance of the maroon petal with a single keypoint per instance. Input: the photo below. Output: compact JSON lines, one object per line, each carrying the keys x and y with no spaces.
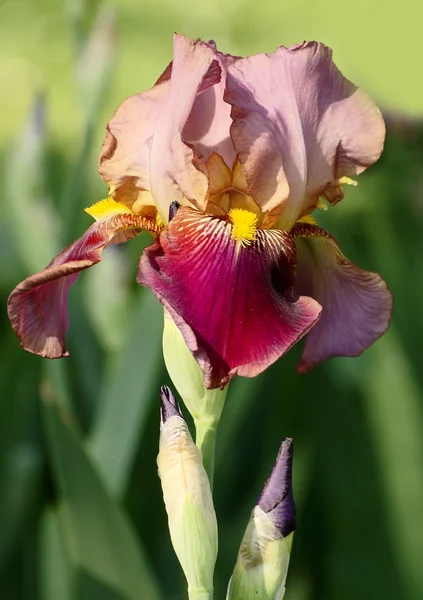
{"x":233,"y":304}
{"x":37,"y":307}
{"x":357,"y":304}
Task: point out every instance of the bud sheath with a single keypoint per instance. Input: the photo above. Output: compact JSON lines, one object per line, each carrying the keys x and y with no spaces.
{"x":263,"y":558}
{"x":188,"y":500}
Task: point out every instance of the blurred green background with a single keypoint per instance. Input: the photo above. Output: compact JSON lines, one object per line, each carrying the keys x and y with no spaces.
{"x":81,"y":514}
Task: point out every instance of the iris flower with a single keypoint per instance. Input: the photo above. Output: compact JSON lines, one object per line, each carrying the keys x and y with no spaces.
{"x":223,"y":160}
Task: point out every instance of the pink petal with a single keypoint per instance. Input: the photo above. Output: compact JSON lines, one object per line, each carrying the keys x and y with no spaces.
{"x":37,"y":307}
{"x":143,"y":155}
{"x":299,"y":126}
{"x":173,"y":175}
{"x":234,"y":305}
{"x":208,"y":125}
{"x":124,"y":161}
{"x":357,"y":304}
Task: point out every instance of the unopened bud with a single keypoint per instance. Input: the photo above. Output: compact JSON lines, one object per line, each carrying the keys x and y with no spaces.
{"x":188,"y":499}
{"x":263,"y":558}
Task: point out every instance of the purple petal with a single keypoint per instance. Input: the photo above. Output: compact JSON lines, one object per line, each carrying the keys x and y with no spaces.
{"x":234,"y":305}
{"x":277,"y":498}
{"x":37,"y":307}
{"x":169,"y":407}
{"x":299,"y":126}
{"x":357,"y":304}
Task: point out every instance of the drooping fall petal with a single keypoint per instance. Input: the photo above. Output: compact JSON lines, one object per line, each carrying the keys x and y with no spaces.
{"x":357,"y":304}
{"x":234,"y":304}
{"x":299,"y":126}
{"x":37,"y":307}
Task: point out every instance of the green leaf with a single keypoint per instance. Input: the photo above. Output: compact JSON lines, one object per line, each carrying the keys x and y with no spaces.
{"x":399,"y":446}
{"x":21,"y":452}
{"x":25,"y":189}
{"x":56,"y":576}
{"x":126,"y":399}
{"x":97,"y":534}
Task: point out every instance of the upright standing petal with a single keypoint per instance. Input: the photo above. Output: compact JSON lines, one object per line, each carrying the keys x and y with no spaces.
{"x":299,"y":126}
{"x":234,"y":304}
{"x":357,"y":304}
{"x":172,"y":173}
{"x":124,"y":161}
{"x":207,"y":128}
{"x":144,"y":158}
{"x":37,"y":307}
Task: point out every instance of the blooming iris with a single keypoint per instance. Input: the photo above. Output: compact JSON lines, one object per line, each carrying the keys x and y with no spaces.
{"x":223,"y":160}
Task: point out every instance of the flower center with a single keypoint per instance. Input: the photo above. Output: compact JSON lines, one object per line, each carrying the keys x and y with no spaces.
{"x":244,"y":225}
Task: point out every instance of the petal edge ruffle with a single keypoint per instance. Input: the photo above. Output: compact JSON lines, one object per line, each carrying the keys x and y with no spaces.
{"x":357,"y":304}
{"x":37,"y":307}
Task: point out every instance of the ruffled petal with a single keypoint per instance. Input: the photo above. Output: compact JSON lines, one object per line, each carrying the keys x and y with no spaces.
{"x":298,"y":127}
{"x":173,"y":175}
{"x":37,"y":307}
{"x":208,"y":125}
{"x":124,"y":161}
{"x":234,"y":304}
{"x":143,"y":158}
{"x":357,"y":304}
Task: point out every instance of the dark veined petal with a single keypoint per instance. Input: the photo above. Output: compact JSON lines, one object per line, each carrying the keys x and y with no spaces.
{"x":37,"y":307}
{"x":233,"y":304}
{"x":299,"y":126}
{"x":277,"y":497}
{"x":357,"y":304}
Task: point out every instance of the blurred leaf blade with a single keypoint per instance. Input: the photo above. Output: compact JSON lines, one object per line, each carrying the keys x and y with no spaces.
{"x":56,"y":576}
{"x":123,"y":406}
{"x":22,"y":459}
{"x":31,"y":214}
{"x":399,"y":442}
{"x":98,"y":536}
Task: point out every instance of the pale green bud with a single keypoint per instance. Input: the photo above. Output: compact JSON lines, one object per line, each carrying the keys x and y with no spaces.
{"x":263,"y":558}
{"x":203,"y":404}
{"x":188,"y":500}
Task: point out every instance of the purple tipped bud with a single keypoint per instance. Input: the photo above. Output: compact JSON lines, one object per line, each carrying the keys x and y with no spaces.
{"x":169,"y":406}
{"x":277,"y":499}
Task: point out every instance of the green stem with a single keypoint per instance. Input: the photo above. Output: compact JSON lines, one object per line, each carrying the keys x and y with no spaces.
{"x":206,"y":430}
{"x":200,"y":595}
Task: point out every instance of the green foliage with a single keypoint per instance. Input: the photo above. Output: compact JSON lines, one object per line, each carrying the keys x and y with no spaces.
{"x":81,"y":510}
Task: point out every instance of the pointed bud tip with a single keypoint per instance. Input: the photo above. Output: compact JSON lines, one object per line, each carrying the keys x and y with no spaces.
{"x":277,"y":499}
{"x":169,"y":406}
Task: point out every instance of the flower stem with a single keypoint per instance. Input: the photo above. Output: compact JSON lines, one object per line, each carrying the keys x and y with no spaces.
{"x":200,"y":594}
{"x":206,"y":430}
